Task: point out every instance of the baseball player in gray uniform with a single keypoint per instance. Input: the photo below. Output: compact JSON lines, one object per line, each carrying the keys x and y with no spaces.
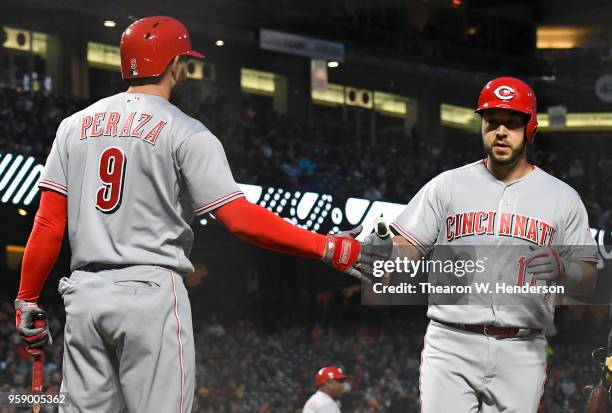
{"x":490,"y":357}
{"x":128,"y":174}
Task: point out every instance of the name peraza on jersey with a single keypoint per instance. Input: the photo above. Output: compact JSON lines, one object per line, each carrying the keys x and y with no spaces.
{"x":519,"y":226}
{"x":136,"y":170}
{"x":135,"y":125}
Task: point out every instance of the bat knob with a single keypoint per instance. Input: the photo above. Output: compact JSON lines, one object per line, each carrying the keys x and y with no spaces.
{"x":381,"y":228}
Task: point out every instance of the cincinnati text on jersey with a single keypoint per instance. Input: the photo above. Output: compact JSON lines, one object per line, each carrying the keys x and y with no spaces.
{"x":505,"y":224}
{"x":135,"y":125}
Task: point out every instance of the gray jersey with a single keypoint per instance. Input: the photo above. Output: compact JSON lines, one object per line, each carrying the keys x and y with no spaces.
{"x":136,"y":170}
{"x":469,"y":207}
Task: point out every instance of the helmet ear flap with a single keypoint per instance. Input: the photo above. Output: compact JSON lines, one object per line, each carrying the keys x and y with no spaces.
{"x":150,"y":44}
{"x":532,"y":128}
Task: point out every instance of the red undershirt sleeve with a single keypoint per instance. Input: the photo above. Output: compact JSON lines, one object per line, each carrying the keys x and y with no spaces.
{"x":44,"y":244}
{"x":261,"y":227}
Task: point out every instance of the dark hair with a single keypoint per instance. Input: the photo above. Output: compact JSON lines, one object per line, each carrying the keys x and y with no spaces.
{"x":142,"y":81}
{"x":154,"y":80}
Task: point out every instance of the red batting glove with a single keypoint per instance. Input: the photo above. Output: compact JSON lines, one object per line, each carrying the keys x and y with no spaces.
{"x":341,"y":252}
{"x":344,"y":252}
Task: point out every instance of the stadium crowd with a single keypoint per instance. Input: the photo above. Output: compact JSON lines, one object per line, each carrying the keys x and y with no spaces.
{"x":267,"y":149}
{"x":245,"y":367}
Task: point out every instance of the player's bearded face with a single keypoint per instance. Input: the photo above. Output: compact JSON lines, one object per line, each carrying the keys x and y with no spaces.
{"x":503,"y":133}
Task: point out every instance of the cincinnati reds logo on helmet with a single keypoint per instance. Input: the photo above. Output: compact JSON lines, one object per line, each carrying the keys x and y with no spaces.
{"x":504,"y":92}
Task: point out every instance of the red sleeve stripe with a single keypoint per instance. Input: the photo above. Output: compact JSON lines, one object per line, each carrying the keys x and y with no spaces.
{"x":414,"y":241}
{"x":218,"y":202}
{"x":53,"y":185}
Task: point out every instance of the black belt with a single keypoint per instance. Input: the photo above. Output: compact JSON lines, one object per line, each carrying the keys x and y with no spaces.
{"x":494,"y":331}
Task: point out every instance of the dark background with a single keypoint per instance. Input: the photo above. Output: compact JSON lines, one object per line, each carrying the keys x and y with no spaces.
{"x":266,"y":323}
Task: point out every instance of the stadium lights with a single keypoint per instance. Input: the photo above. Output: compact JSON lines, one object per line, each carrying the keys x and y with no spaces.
{"x":333,"y":64}
{"x":110,"y":23}
{"x":219,"y":43}
{"x":562,"y":37}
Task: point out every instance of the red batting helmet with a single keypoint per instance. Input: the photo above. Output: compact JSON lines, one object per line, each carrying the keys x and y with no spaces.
{"x":514,"y":94}
{"x":149,"y":45}
{"x":329,"y":373}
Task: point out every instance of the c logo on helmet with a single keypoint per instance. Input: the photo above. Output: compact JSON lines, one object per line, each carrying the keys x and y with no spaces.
{"x":504,"y":92}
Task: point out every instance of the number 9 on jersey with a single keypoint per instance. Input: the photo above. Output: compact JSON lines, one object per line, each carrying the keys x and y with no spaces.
{"x":111,"y":172}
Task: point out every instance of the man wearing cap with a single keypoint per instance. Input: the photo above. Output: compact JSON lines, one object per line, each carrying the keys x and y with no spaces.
{"x":329,"y":381}
{"x":485,"y":352}
{"x":128,"y":175}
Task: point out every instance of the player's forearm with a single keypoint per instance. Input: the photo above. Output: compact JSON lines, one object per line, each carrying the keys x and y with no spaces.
{"x":43,"y":246}
{"x":405,"y":248}
{"x":261,"y":227}
{"x":587,"y":282}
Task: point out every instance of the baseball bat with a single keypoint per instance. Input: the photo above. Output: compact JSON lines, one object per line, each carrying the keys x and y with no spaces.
{"x":38,"y":362}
